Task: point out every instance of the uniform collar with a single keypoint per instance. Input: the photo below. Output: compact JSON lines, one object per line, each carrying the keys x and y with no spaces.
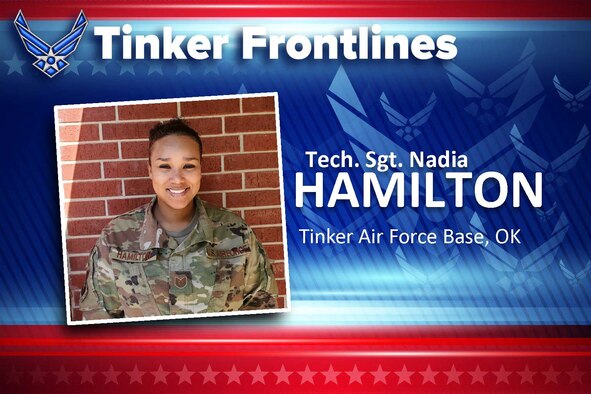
{"x":153,"y":236}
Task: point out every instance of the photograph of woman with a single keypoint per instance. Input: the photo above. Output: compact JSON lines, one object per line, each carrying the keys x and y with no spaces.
{"x":176,"y":255}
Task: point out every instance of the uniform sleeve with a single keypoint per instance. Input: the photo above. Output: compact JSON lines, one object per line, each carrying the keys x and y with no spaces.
{"x":260,"y":287}
{"x":99,"y":299}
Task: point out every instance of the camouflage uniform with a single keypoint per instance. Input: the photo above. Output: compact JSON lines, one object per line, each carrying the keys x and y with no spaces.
{"x":137,"y":270}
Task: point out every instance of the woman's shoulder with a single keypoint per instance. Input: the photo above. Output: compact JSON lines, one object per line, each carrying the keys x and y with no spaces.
{"x":221,"y":215}
{"x":126,"y":226}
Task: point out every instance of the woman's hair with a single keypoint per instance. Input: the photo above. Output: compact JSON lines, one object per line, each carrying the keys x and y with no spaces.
{"x":175,"y":126}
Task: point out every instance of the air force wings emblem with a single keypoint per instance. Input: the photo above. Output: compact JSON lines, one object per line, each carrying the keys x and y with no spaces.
{"x":408,"y":127}
{"x":51,"y":59}
{"x":574,"y":102}
{"x":575,"y":279}
{"x":552,"y":169}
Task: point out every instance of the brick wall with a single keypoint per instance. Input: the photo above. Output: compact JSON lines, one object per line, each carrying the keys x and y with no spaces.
{"x":103,"y":159}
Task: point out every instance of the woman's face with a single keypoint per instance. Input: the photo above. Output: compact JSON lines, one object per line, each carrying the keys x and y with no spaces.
{"x":175,"y":170}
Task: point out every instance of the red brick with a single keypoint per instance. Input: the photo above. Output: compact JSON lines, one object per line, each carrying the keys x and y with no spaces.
{"x":86,"y":226}
{"x":256,"y":142}
{"x":263,"y":216}
{"x":76,"y":314}
{"x":215,"y":199}
{"x":78,"y":263}
{"x":281,"y":302}
{"x":121,"y":205}
{"x":81,"y":171}
{"x":269,"y":234}
{"x":77,"y":281}
{"x":215,"y":182}
{"x":75,"y":115}
{"x":138,"y":187}
{"x":210,"y":107}
{"x":247,"y":161}
{"x":98,"y":151}
{"x":274,"y":252}
{"x":221,"y":144}
{"x":89,"y":189}
{"x":77,"y":209}
{"x":262,"y":179}
{"x":281,"y":286}
{"x":75,"y":133}
{"x":128,"y":130}
{"x":147,"y":111}
{"x":126,"y":169}
{"x":211,"y":164}
{"x":75,"y":299}
{"x":278,"y":270}
{"x":134,"y":150}
{"x":206,"y":126}
{"x":246,"y":123}
{"x":80,"y":245}
{"x":253,"y":199}
{"x":258,"y":104}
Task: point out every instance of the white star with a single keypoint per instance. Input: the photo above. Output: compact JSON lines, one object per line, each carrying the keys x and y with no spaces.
{"x":87,"y":375}
{"x":502,"y":375}
{"x":183,"y":67}
{"x":111,"y":375}
{"x":185,"y":375}
{"x":160,"y":375}
{"x":478,"y":375}
{"x":258,"y":375}
{"x":210,"y":68}
{"x":242,"y":89}
{"x":576,"y":376}
{"x":551,"y":375}
{"x":453,"y":375}
{"x":404,"y":375}
{"x":234,"y":375}
{"x":127,"y":67}
{"x":62,"y":375}
{"x":73,"y":67}
{"x":379,"y":375}
{"x":209,"y":375}
{"x":330,"y":375}
{"x":135,"y":375}
{"x":98,"y":67}
{"x":15,"y":65}
{"x":355,"y":375}
{"x":429,"y":375}
{"x":13,"y":375}
{"x":50,"y":60}
{"x":154,"y":68}
{"x":282,"y":375}
{"x":526,"y":375}
{"x":38,"y":375}
{"x":307,"y":375}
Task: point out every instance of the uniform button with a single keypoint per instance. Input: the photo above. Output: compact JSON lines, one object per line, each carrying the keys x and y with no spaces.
{"x":166,"y":300}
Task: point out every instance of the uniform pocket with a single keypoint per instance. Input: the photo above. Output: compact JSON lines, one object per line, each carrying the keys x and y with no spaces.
{"x":229,"y":284}
{"x":135,"y":293}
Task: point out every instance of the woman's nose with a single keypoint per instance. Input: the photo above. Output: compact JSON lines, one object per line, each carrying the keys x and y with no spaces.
{"x":176,"y":175}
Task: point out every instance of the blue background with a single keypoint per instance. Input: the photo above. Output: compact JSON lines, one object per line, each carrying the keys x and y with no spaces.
{"x":329,"y":106}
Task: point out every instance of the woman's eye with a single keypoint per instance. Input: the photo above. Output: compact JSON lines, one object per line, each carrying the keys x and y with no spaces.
{"x":164,"y":166}
{"x":189,"y":166}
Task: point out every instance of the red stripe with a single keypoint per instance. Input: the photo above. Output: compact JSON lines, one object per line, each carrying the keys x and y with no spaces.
{"x":228,"y":341}
{"x":444,"y":9}
{"x":300,"y":353}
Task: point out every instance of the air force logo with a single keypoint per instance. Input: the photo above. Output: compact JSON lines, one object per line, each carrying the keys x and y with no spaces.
{"x":51,"y":59}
